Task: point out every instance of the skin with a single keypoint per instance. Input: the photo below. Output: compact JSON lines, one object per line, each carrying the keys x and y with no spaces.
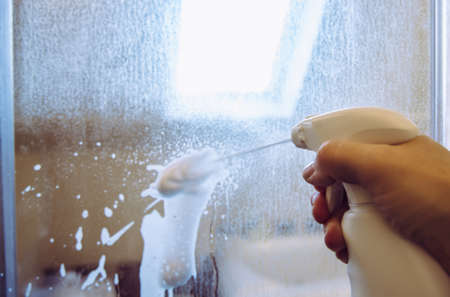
{"x":409,"y":184}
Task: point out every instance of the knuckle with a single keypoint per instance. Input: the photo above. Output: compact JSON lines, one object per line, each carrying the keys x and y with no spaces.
{"x":319,"y":215}
{"x":328,"y":151}
{"x":332,"y":239}
{"x":329,"y":241}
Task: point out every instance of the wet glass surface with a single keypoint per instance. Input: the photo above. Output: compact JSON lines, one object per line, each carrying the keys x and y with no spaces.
{"x":99,"y":96}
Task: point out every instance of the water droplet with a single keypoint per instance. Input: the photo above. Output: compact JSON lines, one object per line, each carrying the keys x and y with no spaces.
{"x":79,"y":238}
{"x":62,"y":270}
{"x":27,"y":189}
{"x":85,"y":214}
{"x":108,"y":212}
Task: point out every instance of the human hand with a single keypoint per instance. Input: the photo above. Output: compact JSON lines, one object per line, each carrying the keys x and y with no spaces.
{"x":409,"y":184}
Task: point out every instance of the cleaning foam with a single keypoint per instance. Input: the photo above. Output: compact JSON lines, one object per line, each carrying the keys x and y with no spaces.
{"x":185,"y":185}
{"x":79,"y":238}
{"x":187,"y":175}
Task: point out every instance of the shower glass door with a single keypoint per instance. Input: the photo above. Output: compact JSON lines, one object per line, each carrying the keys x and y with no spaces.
{"x":107,"y":93}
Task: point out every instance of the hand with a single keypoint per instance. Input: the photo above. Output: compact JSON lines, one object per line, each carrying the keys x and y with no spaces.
{"x":409,"y":184}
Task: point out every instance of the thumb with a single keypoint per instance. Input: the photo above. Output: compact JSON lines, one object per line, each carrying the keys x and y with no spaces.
{"x":347,"y":161}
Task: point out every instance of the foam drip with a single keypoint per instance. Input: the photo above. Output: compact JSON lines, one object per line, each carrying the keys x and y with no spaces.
{"x":185,"y":185}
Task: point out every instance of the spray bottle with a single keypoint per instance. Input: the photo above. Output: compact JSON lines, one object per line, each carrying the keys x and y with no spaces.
{"x":381,"y":262}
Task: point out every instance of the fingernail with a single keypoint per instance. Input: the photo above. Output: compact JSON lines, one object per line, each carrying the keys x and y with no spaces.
{"x":308,"y":171}
{"x":331,"y":198}
{"x":334,"y":195}
{"x":342,"y":255}
{"x":314,"y":197}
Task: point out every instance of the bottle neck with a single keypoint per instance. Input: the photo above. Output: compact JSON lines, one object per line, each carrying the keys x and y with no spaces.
{"x":357,"y":195}
{"x":361,"y":205}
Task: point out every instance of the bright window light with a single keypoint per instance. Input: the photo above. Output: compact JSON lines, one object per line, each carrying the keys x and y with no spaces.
{"x":242,"y":58}
{"x":228,"y":45}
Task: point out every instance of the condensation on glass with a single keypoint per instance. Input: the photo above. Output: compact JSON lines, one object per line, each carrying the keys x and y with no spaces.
{"x":105,"y":88}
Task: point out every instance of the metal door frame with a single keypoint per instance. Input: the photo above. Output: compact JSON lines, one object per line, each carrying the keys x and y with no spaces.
{"x":438,"y":51}
{"x":8,"y":283}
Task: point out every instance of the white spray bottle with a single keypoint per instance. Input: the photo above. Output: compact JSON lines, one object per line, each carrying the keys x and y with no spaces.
{"x":381,"y":262}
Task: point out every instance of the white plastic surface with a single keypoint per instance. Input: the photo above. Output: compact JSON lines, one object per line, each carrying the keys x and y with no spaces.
{"x":357,"y":194}
{"x":381,"y":262}
{"x":365,"y":124}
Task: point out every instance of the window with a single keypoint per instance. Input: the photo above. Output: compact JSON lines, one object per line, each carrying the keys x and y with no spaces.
{"x":243,"y":59}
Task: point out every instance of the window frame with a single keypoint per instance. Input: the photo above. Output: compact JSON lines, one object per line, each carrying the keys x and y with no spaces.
{"x":438,"y":52}
{"x":8,"y":284}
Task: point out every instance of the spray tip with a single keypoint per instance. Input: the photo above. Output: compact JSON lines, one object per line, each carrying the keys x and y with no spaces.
{"x":298,"y":136}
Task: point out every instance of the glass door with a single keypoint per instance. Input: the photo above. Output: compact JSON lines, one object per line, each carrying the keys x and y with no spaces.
{"x":108,"y":93}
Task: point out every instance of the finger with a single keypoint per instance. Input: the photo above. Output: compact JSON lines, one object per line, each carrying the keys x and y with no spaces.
{"x":314,"y":197}
{"x":346,"y":161}
{"x":335,"y":196}
{"x":320,"y":179}
{"x":342,"y":255}
{"x":334,"y":238}
{"x":320,"y":209}
{"x":320,"y":189}
{"x":308,"y":170}
{"x":312,"y":176}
